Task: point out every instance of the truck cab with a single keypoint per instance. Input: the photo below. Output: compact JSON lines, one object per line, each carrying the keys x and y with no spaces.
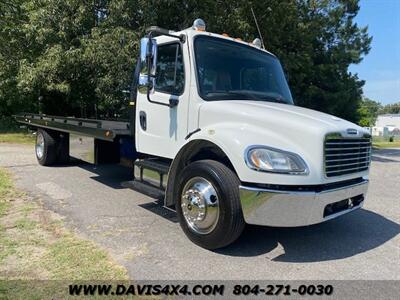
{"x":212,"y":98}
{"x":218,"y":137}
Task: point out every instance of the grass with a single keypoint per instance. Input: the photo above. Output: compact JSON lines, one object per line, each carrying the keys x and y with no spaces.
{"x":3,"y":208}
{"x":5,"y":192}
{"x":34,"y":245}
{"x":25,"y":224}
{"x":11,"y":132}
{"x":5,"y":184}
{"x":383,"y":142}
{"x":17,"y":138}
{"x":69,"y":252}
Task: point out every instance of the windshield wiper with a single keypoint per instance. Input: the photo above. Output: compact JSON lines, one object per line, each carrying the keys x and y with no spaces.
{"x":277,"y":99}
{"x":228,"y":94}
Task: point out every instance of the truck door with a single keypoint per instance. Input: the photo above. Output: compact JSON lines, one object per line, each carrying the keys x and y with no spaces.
{"x":160,"y":129}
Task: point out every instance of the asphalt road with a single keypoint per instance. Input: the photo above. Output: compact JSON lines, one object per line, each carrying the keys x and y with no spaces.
{"x":148,"y":241}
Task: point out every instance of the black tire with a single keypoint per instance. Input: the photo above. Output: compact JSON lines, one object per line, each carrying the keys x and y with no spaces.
{"x":230,"y":223}
{"x":48,"y":155}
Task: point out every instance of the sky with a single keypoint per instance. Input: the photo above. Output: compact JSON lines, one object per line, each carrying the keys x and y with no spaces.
{"x":381,"y":67}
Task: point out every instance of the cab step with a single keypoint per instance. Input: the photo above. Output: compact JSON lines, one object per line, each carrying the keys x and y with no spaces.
{"x":153,"y":164}
{"x":145,"y":189}
{"x":150,"y":177}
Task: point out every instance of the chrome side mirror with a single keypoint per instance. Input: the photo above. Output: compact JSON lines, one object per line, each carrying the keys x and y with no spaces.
{"x":148,"y":64}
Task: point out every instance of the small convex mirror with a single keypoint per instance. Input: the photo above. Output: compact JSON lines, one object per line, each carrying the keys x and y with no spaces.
{"x":148,"y":63}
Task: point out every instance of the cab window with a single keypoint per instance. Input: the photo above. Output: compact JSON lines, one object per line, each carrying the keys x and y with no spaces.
{"x":170,"y":76}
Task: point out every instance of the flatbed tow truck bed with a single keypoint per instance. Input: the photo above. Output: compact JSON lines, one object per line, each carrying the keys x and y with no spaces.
{"x":100,"y":129}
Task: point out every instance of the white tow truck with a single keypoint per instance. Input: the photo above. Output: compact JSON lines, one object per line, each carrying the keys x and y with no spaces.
{"x":214,"y":133}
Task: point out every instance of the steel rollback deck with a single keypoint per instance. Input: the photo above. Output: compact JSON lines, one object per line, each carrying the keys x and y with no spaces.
{"x":99,"y":129}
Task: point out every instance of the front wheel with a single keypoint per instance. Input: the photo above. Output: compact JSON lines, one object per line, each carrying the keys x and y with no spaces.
{"x":208,"y":206}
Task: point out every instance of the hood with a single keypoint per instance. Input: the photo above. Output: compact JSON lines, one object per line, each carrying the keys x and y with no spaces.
{"x":272,"y":116}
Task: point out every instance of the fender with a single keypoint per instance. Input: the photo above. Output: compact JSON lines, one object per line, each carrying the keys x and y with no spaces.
{"x":196,"y":148}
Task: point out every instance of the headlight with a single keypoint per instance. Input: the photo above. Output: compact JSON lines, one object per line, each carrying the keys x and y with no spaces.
{"x":262,"y":158}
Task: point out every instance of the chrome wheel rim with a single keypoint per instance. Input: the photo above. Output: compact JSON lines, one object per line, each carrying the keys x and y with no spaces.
{"x":200,"y":205}
{"x":39,"y":145}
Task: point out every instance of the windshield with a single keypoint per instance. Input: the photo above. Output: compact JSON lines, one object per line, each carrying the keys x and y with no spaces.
{"x":231,"y":71}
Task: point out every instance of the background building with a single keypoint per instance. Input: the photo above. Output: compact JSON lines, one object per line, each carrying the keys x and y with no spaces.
{"x":388,"y":124}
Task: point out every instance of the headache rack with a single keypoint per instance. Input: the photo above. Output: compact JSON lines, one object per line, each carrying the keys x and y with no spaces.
{"x":346,"y":155}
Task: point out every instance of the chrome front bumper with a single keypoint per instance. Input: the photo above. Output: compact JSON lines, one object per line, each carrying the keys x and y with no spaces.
{"x":298,"y":208}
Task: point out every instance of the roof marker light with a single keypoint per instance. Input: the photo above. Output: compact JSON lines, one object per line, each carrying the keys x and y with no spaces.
{"x":257,"y":43}
{"x":199,"y":25}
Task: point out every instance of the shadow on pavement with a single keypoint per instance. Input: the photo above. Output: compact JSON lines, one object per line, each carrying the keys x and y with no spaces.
{"x":111,"y":175}
{"x":346,"y":236}
{"x":386,"y":155}
{"x":383,"y":159}
{"x":387,"y":152}
{"x":158,"y":209}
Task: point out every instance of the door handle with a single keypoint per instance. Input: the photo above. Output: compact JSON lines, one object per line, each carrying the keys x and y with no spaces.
{"x":143,"y":120}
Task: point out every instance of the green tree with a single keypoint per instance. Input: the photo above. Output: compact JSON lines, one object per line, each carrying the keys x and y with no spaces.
{"x":12,"y":48}
{"x":368,"y":112}
{"x":393,"y":108}
{"x":66,"y":52}
{"x":83,"y":64}
{"x":79,"y":55}
{"x":323,"y":42}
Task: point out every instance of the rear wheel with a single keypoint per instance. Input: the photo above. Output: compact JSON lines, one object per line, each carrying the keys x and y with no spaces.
{"x":208,"y":206}
{"x":45,"y":148}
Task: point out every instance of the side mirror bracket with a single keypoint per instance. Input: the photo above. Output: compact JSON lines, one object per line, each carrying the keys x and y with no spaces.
{"x":173,"y":102}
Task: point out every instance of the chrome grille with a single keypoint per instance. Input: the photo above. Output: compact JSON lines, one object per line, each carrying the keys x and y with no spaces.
{"x":346,"y":155}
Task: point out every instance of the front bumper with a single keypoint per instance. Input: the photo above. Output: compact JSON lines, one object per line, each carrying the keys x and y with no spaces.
{"x":299,"y":208}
